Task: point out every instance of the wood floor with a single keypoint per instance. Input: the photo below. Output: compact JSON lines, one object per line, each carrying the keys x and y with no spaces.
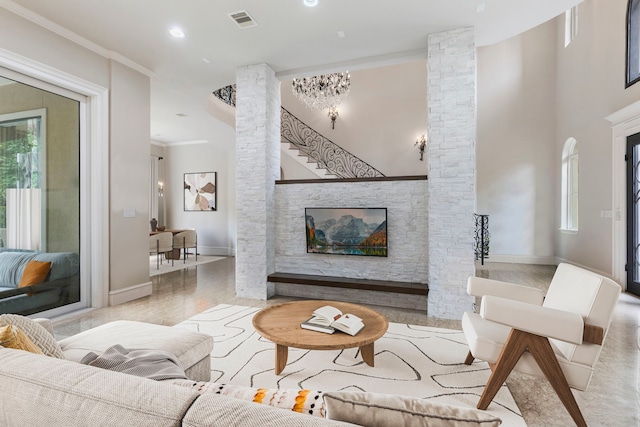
{"x":612,"y":399}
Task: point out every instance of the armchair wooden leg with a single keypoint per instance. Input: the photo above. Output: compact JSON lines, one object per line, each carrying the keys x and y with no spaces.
{"x":539,"y":347}
{"x":542,"y":352}
{"x":511,"y":351}
{"x":469,"y":359}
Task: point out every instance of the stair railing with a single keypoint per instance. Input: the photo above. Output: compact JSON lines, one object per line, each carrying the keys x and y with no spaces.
{"x":327,"y":154}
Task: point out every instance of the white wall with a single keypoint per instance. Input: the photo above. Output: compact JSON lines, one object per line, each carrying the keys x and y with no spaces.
{"x":216,"y":230}
{"x":590,"y":86}
{"x":516,"y":173}
{"x":129,"y":179}
{"x":379,"y":120}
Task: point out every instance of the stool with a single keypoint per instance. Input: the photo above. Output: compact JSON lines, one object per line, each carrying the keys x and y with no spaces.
{"x":192,"y":349}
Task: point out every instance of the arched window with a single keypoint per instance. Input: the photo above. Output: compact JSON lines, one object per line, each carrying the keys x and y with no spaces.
{"x":633,"y":42}
{"x":570,"y":180}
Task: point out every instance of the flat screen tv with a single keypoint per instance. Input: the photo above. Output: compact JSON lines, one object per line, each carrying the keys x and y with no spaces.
{"x":347,"y":231}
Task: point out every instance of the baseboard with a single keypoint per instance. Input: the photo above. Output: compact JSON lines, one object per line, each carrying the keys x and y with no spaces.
{"x":215,"y":251}
{"x":523,"y":259}
{"x":540,"y":260}
{"x":129,"y":294}
{"x":586,"y":267}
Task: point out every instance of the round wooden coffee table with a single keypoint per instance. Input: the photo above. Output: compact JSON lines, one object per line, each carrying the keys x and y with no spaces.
{"x":281,"y":325}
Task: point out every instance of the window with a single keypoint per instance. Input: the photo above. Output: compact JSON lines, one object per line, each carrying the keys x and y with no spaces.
{"x":570,"y":25}
{"x":22,"y":187}
{"x":633,"y":42}
{"x":570,"y":178}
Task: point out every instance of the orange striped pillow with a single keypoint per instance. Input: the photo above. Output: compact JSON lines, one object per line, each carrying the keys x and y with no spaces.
{"x":13,"y":337}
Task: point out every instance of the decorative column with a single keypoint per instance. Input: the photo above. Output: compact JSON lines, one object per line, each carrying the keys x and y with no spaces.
{"x":451,"y":92}
{"x":257,"y":169}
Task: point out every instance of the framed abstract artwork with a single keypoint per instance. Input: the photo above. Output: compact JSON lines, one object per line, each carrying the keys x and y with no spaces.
{"x":200,"y":191}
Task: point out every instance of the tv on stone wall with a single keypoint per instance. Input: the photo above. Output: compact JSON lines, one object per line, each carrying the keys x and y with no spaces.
{"x":347,"y":231}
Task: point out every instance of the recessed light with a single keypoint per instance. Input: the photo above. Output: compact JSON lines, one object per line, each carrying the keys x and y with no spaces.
{"x":176,"y":32}
{"x":206,"y":60}
{"x":480,"y":8}
{"x":310,"y":3}
{"x":341,"y":34}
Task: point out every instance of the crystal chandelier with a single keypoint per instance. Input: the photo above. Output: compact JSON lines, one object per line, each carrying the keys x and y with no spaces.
{"x":324,"y":91}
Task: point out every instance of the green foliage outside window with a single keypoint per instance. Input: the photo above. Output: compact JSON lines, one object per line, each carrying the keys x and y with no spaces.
{"x":11,"y":175}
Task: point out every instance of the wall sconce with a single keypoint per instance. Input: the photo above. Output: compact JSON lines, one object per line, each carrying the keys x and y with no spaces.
{"x":421,"y":142}
{"x":160,"y":189}
{"x":333,"y":115}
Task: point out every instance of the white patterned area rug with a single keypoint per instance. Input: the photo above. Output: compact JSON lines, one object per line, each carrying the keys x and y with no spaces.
{"x":410,"y":360}
{"x":178,"y":264}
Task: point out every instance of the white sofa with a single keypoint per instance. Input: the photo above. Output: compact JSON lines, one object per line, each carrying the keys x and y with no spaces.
{"x":38,"y":390}
{"x":41,"y":390}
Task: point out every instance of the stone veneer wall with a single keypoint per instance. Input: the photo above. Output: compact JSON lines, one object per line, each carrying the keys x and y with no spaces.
{"x":406,"y":203}
{"x":451,"y":93}
{"x":257,"y":169}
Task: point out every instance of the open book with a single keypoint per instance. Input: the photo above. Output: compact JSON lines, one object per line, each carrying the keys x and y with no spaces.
{"x":327,"y":319}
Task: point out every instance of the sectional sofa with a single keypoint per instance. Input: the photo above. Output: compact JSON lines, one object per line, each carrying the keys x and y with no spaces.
{"x":53,"y":389}
{"x":61,"y":285}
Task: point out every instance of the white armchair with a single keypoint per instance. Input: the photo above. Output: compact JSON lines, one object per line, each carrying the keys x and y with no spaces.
{"x":558,"y":336}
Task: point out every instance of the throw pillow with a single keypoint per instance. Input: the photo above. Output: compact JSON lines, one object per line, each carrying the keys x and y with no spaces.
{"x":36,"y":333}
{"x":12,"y":337}
{"x":381,"y":410}
{"x":34,"y":272}
{"x":302,"y":401}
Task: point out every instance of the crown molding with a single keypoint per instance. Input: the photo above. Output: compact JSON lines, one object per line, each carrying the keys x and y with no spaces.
{"x":71,"y":36}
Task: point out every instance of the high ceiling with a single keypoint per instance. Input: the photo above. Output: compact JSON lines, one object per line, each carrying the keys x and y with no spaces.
{"x":292,"y":38}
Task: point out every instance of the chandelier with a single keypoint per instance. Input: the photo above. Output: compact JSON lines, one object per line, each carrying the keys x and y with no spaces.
{"x":324,"y":91}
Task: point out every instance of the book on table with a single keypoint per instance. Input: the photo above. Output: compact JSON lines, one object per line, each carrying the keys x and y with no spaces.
{"x":328,"y":319}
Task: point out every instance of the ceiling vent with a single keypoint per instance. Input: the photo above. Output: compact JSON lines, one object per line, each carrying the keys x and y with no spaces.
{"x":243,"y":19}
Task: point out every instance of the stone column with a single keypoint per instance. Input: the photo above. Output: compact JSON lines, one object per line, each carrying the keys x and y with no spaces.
{"x":257,"y":169}
{"x":451,"y":92}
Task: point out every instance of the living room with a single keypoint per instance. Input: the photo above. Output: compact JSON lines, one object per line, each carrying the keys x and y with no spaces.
{"x":530,"y":82}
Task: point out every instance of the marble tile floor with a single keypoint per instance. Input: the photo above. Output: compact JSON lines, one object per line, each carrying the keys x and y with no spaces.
{"x":612,"y":399}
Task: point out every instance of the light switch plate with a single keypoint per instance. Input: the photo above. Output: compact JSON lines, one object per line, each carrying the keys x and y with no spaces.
{"x":129,"y":213}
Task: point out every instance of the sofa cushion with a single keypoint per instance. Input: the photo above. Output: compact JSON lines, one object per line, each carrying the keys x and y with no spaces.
{"x":382,"y":410}
{"x":189,"y":347}
{"x":63,"y":264}
{"x":34,"y":272}
{"x":12,"y":337}
{"x":37,"y":333}
{"x":308,"y":402}
{"x":39,"y":391}
{"x":216,"y":410}
{"x":11,"y":267}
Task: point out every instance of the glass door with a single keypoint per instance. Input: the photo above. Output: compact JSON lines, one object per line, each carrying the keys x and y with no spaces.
{"x":39,"y":199}
{"x":633,"y":214}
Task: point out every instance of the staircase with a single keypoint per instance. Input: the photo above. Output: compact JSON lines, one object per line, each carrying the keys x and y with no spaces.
{"x":314,"y":151}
